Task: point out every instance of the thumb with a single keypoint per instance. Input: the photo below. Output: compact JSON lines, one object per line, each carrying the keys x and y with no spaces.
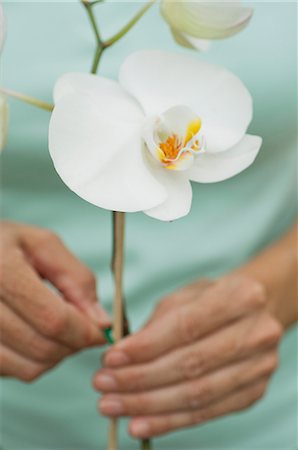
{"x":54,"y":262}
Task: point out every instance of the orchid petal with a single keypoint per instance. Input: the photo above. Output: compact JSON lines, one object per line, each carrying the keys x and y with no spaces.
{"x":178,"y":119}
{"x":179,"y":194}
{"x":204,"y":20}
{"x":184,"y":162}
{"x":214,"y":167}
{"x":97,"y":153}
{"x":109,"y":93}
{"x":216,"y":95}
{"x":190,"y":42}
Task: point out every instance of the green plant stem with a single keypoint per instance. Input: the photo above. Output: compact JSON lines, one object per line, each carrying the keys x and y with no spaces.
{"x":27,"y":99}
{"x":95,"y":2}
{"x":99,"y":43}
{"x":129,"y":25}
{"x":96,"y":59}
{"x":89,"y":10}
{"x":146,"y":444}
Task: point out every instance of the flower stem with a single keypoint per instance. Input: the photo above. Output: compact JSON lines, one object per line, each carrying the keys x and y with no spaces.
{"x":27,"y":99}
{"x":102,"y":45}
{"x":120,"y":325}
{"x":129,"y":25}
{"x":89,"y":10}
{"x":99,"y":43}
{"x":117,"y":267}
{"x":96,"y":59}
{"x":146,"y":444}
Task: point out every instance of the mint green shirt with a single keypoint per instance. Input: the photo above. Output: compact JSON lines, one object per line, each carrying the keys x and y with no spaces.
{"x":229,"y":223}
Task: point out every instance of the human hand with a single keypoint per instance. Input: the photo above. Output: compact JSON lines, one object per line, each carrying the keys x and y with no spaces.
{"x":40,"y":327}
{"x":208,"y":350}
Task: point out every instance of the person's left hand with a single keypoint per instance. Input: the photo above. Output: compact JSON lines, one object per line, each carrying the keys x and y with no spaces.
{"x":208,"y":350}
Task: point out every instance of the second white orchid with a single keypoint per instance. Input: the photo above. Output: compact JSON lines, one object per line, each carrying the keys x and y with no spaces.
{"x":134,"y":145}
{"x":194,"y":23}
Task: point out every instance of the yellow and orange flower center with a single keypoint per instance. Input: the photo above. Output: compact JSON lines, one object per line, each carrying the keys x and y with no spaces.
{"x":171,"y":148}
{"x":175,"y":147}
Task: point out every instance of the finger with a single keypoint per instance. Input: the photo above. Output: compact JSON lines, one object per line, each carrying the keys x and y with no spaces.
{"x":192,"y":394}
{"x":145,"y":427}
{"x":26,"y":341}
{"x":187,"y":294}
{"x":45,"y":310}
{"x":57,"y":264}
{"x":190,"y":322}
{"x":241,"y":339}
{"x":17,"y":366}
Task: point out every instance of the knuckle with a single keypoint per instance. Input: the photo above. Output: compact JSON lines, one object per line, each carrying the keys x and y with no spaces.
{"x":43,"y":350}
{"x":89,"y":338}
{"x":87,"y":278}
{"x":235,"y":346}
{"x":46,"y":237}
{"x":135,"y":379}
{"x":52,"y":323}
{"x":271,"y":363}
{"x":199,"y":416}
{"x":198,"y":393}
{"x":192,"y":365}
{"x":9,"y":265}
{"x":31,"y":373}
{"x":142,"y":346}
{"x":140,"y":405}
{"x":205,"y":391}
{"x":258,"y":392}
{"x":273,"y":331}
{"x":253,"y":292}
{"x":255,"y":394}
{"x":188,"y":327}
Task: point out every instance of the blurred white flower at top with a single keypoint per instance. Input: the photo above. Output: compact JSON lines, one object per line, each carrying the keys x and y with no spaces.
{"x":195,"y":23}
{"x":135,"y":145}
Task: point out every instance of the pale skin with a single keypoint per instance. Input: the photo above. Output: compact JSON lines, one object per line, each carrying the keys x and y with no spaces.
{"x":208,"y":350}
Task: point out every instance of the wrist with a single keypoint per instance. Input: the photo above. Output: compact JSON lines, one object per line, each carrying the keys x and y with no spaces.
{"x":276,"y":269}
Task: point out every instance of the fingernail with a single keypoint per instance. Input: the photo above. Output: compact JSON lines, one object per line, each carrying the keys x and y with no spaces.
{"x":140,"y":428}
{"x":111,"y":406}
{"x":105,"y":382}
{"x":116,"y":359}
{"x":99,"y":315}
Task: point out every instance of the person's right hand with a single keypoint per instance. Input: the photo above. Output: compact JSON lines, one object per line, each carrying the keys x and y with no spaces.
{"x":40,"y":326}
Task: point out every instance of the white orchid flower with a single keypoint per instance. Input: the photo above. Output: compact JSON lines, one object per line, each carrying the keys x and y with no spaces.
{"x":134,"y":145}
{"x":194,"y":23}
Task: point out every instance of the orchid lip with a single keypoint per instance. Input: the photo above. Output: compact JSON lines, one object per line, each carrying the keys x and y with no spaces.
{"x":184,"y":150}
{"x":174,"y":133}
